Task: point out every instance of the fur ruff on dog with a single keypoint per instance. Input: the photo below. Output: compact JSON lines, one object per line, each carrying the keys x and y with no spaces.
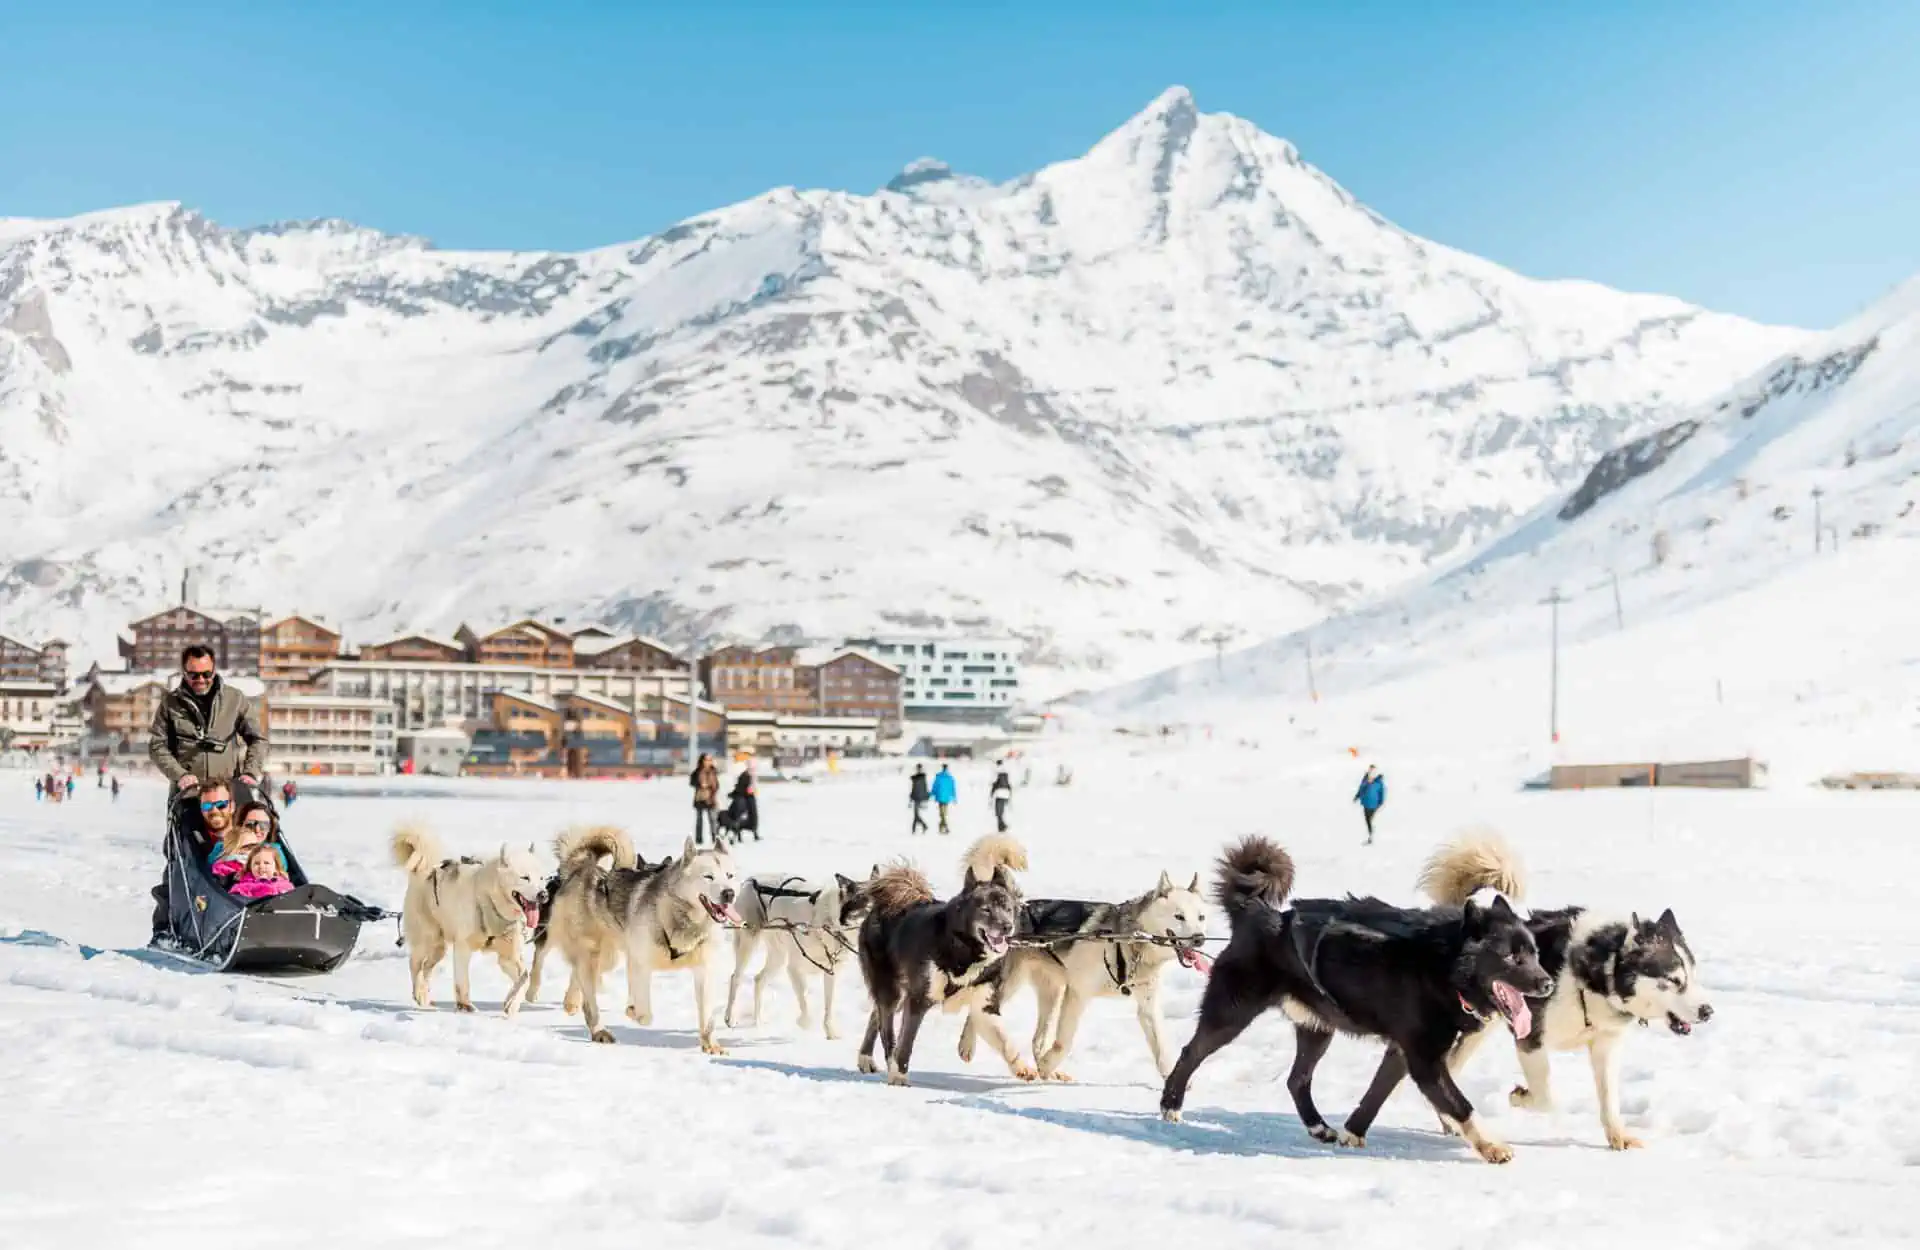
{"x":1254,"y":870}
{"x":1477,"y":859}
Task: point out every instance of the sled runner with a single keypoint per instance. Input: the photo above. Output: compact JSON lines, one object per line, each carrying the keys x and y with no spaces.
{"x":309,"y":928}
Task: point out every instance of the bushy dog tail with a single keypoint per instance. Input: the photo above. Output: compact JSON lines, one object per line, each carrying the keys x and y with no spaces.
{"x":415,"y":850}
{"x":995,"y":851}
{"x":579,"y":849}
{"x":1253,"y":870}
{"x":898,"y":887}
{"x":1477,"y":859}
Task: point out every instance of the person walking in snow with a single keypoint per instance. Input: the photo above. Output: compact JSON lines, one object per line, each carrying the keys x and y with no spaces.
{"x":945,"y":791}
{"x":1002,"y":793}
{"x":1371,"y":796}
{"x":114,"y":788}
{"x":705,"y":781}
{"x":69,"y":785}
{"x":917,"y":795}
{"x":39,"y":788}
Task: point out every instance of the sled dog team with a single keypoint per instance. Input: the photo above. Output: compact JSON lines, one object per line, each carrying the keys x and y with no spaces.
{"x":1431,"y":982}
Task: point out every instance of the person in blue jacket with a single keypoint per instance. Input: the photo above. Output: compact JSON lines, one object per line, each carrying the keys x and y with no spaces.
{"x":1371,"y":796}
{"x":945,"y":789}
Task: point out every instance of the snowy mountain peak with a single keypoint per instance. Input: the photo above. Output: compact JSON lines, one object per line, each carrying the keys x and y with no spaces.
{"x":1177,"y":388}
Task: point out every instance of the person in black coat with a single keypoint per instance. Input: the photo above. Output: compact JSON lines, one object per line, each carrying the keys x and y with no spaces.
{"x":1002,"y":794}
{"x":743,"y":806}
{"x":917,"y":796}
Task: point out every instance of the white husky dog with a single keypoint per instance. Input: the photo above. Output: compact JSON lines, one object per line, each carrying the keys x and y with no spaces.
{"x":1069,"y":974}
{"x":660,"y":919}
{"x":801,"y":924}
{"x":463,"y":906}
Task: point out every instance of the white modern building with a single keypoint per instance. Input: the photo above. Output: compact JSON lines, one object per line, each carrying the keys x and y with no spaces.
{"x":27,"y":713}
{"x":970,"y":679}
{"x":430,"y":695}
{"x":334,"y":735}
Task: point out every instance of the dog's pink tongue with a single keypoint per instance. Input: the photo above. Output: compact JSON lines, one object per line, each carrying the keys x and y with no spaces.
{"x":532,"y":914}
{"x":1198,"y":962}
{"x":1519,"y":1015}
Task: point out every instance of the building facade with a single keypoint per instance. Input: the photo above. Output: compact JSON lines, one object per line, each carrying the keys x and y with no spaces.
{"x":523,"y":644}
{"x":331,"y":735}
{"x":429,"y":695}
{"x":849,"y":683}
{"x":951,"y":678}
{"x":119,"y":708}
{"x":233,"y":634}
{"x":27,"y":714}
{"x":291,"y":650}
{"x":21,"y":662}
{"x":779,"y":737}
{"x":759,"y":679}
{"x":595,"y":649}
{"x":414,"y":649}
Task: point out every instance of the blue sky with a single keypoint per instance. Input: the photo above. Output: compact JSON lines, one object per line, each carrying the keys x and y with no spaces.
{"x":1758,"y":157}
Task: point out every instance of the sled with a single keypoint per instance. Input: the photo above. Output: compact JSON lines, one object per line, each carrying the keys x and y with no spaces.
{"x":310,"y":928}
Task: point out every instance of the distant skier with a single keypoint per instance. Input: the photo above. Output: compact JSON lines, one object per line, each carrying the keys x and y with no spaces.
{"x":917,"y":796}
{"x":945,"y":791}
{"x":1002,"y":794}
{"x":1371,"y":796}
{"x":114,"y":788}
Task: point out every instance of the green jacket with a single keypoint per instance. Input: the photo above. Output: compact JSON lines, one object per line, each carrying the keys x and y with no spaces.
{"x":181,"y":742}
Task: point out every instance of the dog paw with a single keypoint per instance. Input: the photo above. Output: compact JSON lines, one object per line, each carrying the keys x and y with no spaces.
{"x":510,"y":1010}
{"x":1494,"y":1151}
{"x":966,"y":1051}
{"x":642,"y":1018}
{"x":1322,"y":1132}
{"x":1352,"y":1141}
{"x":805,"y":1022}
{"x":465,"y":1007}
{"x":833,"y":1034}
{"x":896,"y":1077}
{"x":1170,"y":1114}
{"x":867,"y":1065}
{"x":1023,"y":1071}
{"x":1057,"y":1075}
{"x":1446,"y":1129}
{"x":710,"y":1047}
{"x":1525,"y":1098}
{"x":602,"y":1036}
{"x":1620,"y":1139}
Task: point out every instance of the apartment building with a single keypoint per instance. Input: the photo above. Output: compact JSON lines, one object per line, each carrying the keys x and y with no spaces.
{"x":233,"y":634}
{"x":527,"y":644}
{"x":292,"y":649}
{"x":331,"y":735}
{"x":27,"y":713}
{"x":430,"y":695}
{"x":21,"y":661}
{"x":598,"y":648}
{"x":414,"y":649}
{"x":850,"y":683}
{"x":764,"y":679}
{"x":951,"y":678}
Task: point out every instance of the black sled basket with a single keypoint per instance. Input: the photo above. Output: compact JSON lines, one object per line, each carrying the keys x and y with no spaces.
{"x":310,"y":928}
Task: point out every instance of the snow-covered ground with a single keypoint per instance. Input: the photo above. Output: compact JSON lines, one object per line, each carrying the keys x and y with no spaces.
{"x":144,"y":1104}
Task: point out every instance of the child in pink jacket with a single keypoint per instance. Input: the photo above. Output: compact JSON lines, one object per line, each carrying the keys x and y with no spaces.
{"x":263,"y":877}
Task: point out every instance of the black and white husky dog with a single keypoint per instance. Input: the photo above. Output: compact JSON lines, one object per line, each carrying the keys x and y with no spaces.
{"x":1611,"y":974}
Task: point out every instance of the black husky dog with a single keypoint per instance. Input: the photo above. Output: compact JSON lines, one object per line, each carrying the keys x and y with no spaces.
{"x":1415,"y":978}
{"x":917,"y":953}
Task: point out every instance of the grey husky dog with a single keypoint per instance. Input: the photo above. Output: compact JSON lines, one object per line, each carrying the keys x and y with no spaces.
{"x":659,"y":919}
{"x":1070,"y":973}
{"x":802,"y":924}
{"x":1610,"y":974}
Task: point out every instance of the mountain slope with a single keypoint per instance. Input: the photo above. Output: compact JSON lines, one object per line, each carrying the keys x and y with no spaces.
{"x":1182,"y":386}
{"x":1701,"y":613}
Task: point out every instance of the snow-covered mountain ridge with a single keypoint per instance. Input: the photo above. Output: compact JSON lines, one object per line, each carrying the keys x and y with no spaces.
{"x":1181,"y":387}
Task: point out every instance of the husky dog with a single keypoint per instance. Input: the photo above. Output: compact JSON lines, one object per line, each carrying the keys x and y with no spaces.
{"x":1416,"y":979}
{"x":658,"y":919}
{"x":1068,"y":974}
{"x":1610,"y":974}
{"x":462,"y":906}
{"x":917,"y":953}
{"x":541,"y":944}
{"x":829,"y":912}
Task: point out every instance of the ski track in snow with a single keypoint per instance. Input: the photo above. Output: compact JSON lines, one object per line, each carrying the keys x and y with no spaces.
{"x":142,"y":1098}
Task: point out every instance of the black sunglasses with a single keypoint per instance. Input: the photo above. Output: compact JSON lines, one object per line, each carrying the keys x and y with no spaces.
{"x":193,"y":676}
